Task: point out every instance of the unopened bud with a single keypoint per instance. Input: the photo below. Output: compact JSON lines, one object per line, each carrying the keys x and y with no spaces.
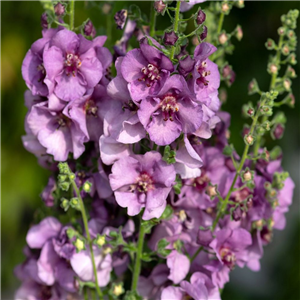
{"x":211,"y":191}
{"x":59,"y":9}
{"x":223,"y":95}
{"x":287,"y":84}
{"x":79,"y":244}
{"x":259,"y":223}
{"x":253,"y":87}
{"x":64,"y":204}
{"x":159,"y":6}
{"x":203,"y":35}
{"x":247,"y":176}
{"x":239,"y":4}
{"x":170,"y":38}
{"x":270,"y":44}
{"x":201,"y":17}
{"x":118,"y":290}
{"x":290,"y":100}
{"x":223,"y":38}
{"x":249,"y":139}
{"x":281,"y":30}
{"x":239,"y":32}
{"x":272,"y":68}
{"x":225,"y":7}
{"x":277,"y":131}
{"x":290,"y":72}
{"x":285,"y":50}
{"x":89,"y":29}
{"x":250,"y":112}
{"x":44,"y":21}
{"x":120,"y":18}
{"x":100,"y":241}
{"x":291,"y":34}
{"x":292,"y":59}
{"x":87,"y":187}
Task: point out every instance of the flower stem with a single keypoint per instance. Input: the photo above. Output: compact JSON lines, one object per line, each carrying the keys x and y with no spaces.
{"x":176,"y":22}
{"x":86,"y":228}
{"x":272,"y":85}
{"x":72,"y":14}
{"x":196,"y":253}
{"x":244,"y":157}
{"x":152,"y":20}
{"x":137,"y":266}
{"x":221,"y":20}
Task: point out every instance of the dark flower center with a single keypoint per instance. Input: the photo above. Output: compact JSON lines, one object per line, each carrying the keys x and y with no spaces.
{"x":45,"y":293}
{"x":72,"y":64}
{"x":203,"y":72}
{"x":150,"y":74}
{"x":130,"y":105}
{"x":169,"y":107}
{"x":91,"y":108}
{"x":228,"y":257}
{"x":143,"y":183}
{"x":42,"y":71}
{"x":62,"y":121}
{"x":201,"y":182}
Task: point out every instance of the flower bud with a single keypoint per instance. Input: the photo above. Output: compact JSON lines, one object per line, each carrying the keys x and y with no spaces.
{"x":253,"y":87}
{"x":272,"y":68}
{"x":223,"y":38}
{"x":170,"y":38}
{"x":265,"y":155}
{"x":228,"y":74}
{"x":89,"y":29}
{"x":291,"y":34}
{"x":270,"y":44}
{"x":211,"y":191}
{"x":59,"y":9}
{"x":79,"y":244}
{"x":64,"y":204}
{"x":120,"y":18}
{"x":225,"y":7}
{"x":239,"y":32}
{"x":118,"y":290}
{"x":100,"y":240}
{"x":290,"y":100}
{"x":74,"y":202}
{"x":87,"y":187}
{"x":201,"y":17}
{"x":285,"y":50}
{"x":247,"y":175}
{"x":290,"y":72}
{"x":203,"y":35}
{"x":222,"y":95}
{"x":160,"y":6}
{"x":249,"y":139}
{"x":44,"y":21}
{"x":287,"y":84}
{"x":292,"y":59}
{"x":106,"y":8}
{"x":281,"y":30}
{"x":277,"y":131}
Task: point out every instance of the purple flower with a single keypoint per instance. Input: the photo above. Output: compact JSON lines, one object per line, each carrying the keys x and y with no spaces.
{"x":170,"y":112}
{"x":71,"y":64}
{"x":146,"y":70}
{"x":33,"y":70}
{"x":185,"y":6}
{"x":179,"y":266}
{"x":229,"y":246}
{"x":62,"y":244}
{"x":147,"y":183}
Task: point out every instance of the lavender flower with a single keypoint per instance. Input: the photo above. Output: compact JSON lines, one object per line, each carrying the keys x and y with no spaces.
{"x":147,"y":184}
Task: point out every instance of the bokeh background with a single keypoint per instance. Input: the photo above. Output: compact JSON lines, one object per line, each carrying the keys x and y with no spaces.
{"x":23,"y":179}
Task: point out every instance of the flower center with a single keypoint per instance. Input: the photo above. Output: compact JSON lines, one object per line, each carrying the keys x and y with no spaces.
{"x":201,"y":182}
{"x":91,"y":108}
{"x":130,"y":105}
{"x":203,"y":72}
{"x":169,"y":107}
{"x":72,"y":64}
{"x":228,"y":257}
{"x":62,"y":121}
{"x":42,"y":71}
{"x":241,"y":195}
{"x":144,"y":184}
{"x":150,"y":74}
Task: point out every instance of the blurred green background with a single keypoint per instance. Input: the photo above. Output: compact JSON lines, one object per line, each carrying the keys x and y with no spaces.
{"x":22,"y":179}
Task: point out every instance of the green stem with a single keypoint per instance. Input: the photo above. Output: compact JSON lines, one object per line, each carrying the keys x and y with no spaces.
{"x":137,"y":266}
{"x":221,"y":20}
{"x":196,"y":253}
{"x":108,"y":29}
{"x":72,"y":14}
{"x":152,"y":20}
{"x":244,"y":157}
{"x":272,"y":85}
{"x":86,"y":228}
{"x":175,"y":27}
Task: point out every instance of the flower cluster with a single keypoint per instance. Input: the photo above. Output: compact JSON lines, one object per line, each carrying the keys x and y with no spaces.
{"x":153,"y":142}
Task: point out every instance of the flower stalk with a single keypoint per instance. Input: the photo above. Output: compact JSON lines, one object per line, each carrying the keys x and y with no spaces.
{"x":176,"y":23}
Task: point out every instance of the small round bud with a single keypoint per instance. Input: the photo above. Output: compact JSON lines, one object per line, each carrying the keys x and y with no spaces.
{"x":118,"y":290}
{"x":79,"y":244}
{"x":223,"y":38}
{"x":170,"y":38}
{"x":89,"y":29}
{"x":290,"y":100}
{"x":159,"y":6}
{"x":290,"y":72}
{"x":277,"y":131}
{"x":64,"y":204}
{"x":239,"y":4}
{"x":287,"y":84}
{"x":249,"y":139}
{"x":201,"y":17}
{"x":87,"y":187}
{"x":72,"y":176}
{"x":120,"y":18}
{"x":239,"y":32}
{"x":285,"y":50}
{"x":64,"y":185}
{"x":247,"y":176}
{"x":253,"y":87}
{"x":106,"y":250}
{"x":292,"y":59}
{"x":225,"y":7}
{"x":59,"y":9}
{"x":211,"y":191}
{"x":259,"y":223}
{"x":281,"y":30}
{"x":44,"y":21}
{"x":250,"y":112}
{"x":100,"y":241}
{"x":270,"y":44}
{"x":203,"y":35}
{"x":272,"y":68}
{"x":291,"y":34}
